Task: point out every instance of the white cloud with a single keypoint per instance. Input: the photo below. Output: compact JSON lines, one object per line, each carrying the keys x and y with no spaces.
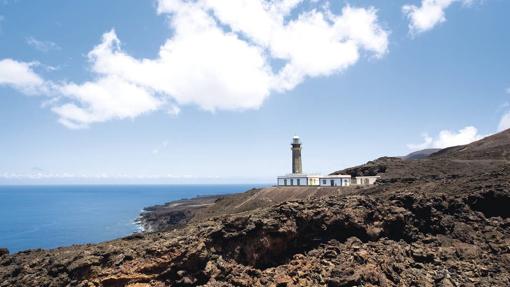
{"x":104,"y":99}
{"x":43,"y":46}
{"x":20,"y":75}
{"x":429,"y":14}
{"x":219,"y":58}
{"x":173,"y":110}
{"x":504,"y":123}
{"x":205,"y":67}
{"x":447,"y":138}
{"x":313,"y":43}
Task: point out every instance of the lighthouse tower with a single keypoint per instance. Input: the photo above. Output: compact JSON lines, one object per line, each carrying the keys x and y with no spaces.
{"x":297,"y":177}
{"x":297,"y":167}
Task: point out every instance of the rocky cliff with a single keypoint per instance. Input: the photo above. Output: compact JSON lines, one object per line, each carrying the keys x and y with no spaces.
{"x":439,"y":221}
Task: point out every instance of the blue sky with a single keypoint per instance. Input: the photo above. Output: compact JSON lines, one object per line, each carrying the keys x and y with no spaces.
{"x":395,"y":79}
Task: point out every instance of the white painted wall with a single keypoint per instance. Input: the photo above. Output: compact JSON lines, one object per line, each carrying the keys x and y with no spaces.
{"x":327,"y":181}
{"x":366,"y":180}
{"x":298,"y":181}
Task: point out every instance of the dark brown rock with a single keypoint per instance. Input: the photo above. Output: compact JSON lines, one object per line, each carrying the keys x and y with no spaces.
{"x":4,"y":251}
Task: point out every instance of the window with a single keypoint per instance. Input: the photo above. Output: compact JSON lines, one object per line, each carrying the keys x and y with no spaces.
{"x":367,"y":181}
{"x":324,"y":181}
{"x":285,"y":182}
{"x":291,"y":181}
{"x":298,"y":181}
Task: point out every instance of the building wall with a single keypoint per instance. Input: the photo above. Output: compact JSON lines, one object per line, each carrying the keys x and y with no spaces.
{"x":366,"y":180}
{"x":298,"y":181}
{"x":293,"y":181}
{"x":321,"y":181}
{"x":335,"y":181}
{"x":313,"y":181}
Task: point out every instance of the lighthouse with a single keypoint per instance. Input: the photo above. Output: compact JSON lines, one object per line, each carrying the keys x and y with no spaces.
{"x":298,"y":178}
{"x":297,"y":166}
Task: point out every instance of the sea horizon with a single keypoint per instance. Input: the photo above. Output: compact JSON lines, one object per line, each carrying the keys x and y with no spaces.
{"x":136,"y":184}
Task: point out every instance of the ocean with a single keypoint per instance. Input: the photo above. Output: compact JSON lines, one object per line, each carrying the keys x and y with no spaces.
{"x":53,"y":216}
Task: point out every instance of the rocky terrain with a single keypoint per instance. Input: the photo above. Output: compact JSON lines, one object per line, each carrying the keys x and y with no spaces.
{"x":439,"y":221}
{"x":175,"y":214}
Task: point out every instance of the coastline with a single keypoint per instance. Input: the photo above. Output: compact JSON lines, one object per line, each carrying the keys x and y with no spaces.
{"x":173,"y":214}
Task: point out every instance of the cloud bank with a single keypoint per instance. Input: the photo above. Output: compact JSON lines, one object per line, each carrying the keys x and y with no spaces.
{"x":220,"y":57}
{"x":447,"y":138}
{"x":429,"y":14}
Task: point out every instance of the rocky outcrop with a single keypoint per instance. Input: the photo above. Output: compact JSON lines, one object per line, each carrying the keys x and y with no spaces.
{"x":174,"y":214}
{"x":371,"y":168}
{"x":4,"y":251}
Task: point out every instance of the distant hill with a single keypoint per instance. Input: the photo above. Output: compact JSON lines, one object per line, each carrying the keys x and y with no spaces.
{"x":421,"y":154}
{"x":458,"y":160}
{"x":495,"y":147}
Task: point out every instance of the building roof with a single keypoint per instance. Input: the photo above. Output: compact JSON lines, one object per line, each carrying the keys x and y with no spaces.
{"x":299,"y":175}
{"x":336,"y":176}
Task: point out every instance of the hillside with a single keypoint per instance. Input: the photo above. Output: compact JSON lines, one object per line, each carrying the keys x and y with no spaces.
{"x":178,"y":213}
{"x":495,"y":147}
{"x":439,"y":221}
{"x":421,"y":154}
{"x":455,"y":161}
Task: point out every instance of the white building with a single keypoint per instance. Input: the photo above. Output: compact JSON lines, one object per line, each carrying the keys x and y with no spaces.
{"x":365,"y":180}
{"x":298,"y":180}
{"x":335,"y":180}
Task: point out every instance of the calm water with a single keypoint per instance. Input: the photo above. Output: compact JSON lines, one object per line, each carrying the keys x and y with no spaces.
{"x":52,"y":216}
